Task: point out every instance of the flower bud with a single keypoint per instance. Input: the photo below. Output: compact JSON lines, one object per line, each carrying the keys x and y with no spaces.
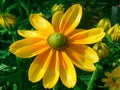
{"x":7,"y":20}
{"x":102,"y":49}
{"x":104,"y":23}
{"x":57,"y":8}
{"x":114,"y":32}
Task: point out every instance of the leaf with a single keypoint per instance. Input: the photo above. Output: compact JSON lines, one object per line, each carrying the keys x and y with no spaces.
{"x":4,"y":54}
{"x":6,"y":68}
{"x":8,"y":9}
{"x":24,"y":6}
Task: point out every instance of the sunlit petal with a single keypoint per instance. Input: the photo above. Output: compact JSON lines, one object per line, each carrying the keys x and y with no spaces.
{"x":82,"y":56}
{"x":52,"y":74}
{"x":71,"y":19}
{"x":28,"y":47}
{"x":56,"y":20}
{"x":39,"y":23}
{"x":88,"y":36}
{"x":39,"y":66}
{"x":67,"y":71}
{"x":24,"y":42}
{"x":31,"y":34}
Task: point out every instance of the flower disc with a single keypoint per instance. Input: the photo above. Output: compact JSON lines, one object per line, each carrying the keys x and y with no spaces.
{"x":57,"y":40}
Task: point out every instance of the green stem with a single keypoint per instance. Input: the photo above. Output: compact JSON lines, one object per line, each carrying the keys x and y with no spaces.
{"x":94,"y":77}
{"x":10,"y":8}
{"x":14,"y":38}
{"x":19,"y":73}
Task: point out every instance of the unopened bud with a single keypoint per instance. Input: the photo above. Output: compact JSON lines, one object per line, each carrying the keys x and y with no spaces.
{"x":104,"y":23}
{"x":114,"y":32}
{"x":7,"y":20}
{"x":102,"y":49}
{"x":57,"y":8}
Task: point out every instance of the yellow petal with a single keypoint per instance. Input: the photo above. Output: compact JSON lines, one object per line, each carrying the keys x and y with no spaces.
{"x":88,"y":36}
{"x":82,"y":56}
{"x":112,"y":88}
{"x":71,"y":19}
{"x":104,"y":80}
{"x":108,"y":74}
{"x":30,"y":47}
{"x":116,"y":72}
{"x":52,"y":74}
{"x":39,"y":66}
{"x":39,"y":23}
{"x":118,"y":81}
{"x":32,"y":34}
{"x":21,"y":43}
{"x":67,"y":71}
{"x":56,"y":19}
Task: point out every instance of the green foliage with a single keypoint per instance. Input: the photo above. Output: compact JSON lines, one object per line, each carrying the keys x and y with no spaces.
{"x":13,"y":70}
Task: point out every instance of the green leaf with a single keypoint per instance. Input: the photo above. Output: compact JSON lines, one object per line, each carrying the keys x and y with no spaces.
{"x":8,"y":9}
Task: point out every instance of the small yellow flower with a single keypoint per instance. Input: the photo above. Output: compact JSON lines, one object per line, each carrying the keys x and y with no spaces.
{"x":57,"y":8}
{"x":102,"y":49}
{"x":113,"y":79}
{"x":58,"y":46}
{"x":7,"y":20}
{"x":114,"y":32}
{"x":104,"y":23}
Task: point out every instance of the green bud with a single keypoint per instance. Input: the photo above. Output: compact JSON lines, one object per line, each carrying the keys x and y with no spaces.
{"x":102,"y":49}
{"x":57,"y":8}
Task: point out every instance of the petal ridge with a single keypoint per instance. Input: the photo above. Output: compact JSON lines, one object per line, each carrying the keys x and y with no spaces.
{"x":39,"y":66}
{"x":87,"y":36}
{"x":52,"y":74}
{"x":71,"y":19}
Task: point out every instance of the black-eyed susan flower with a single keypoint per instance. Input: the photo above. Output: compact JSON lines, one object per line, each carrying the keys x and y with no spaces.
{"x":102,"y":49}
{"x":58,"y":46}
{"x":114,"y":32}
{"x":7,"y":20}
{"x":113,"y":79}
{"x":104,"y":23}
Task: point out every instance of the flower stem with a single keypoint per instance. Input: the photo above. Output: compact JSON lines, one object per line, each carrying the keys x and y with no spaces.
{"x":14,"y":38}
{"x":19,"y":73}
{"x":94,"y":77}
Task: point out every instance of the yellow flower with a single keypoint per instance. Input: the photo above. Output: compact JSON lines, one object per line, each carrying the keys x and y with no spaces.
{"x":58,"y":47}
{"x":104,"y":23}
{"x":102,"y":49}
{"x":113,"y":79}
{"x":7,"y":20}
{"x":114,"y":32}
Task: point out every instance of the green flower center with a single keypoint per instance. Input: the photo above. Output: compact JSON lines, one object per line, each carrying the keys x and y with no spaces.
{"x":57,"y":40}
